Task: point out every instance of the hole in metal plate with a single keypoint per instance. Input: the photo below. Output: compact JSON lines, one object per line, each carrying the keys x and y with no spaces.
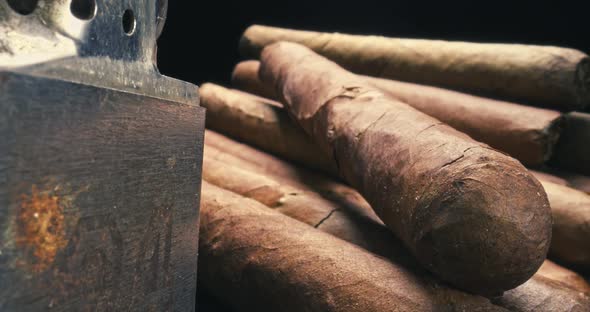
{"x":23,"y":7}
{"x":83,"y":9}
{"x":129,"y":22}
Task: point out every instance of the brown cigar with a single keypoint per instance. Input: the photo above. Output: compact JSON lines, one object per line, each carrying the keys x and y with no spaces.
{"x":245,"y":77}
{"x":569,"y":207}
{"x":243,"y":116}
{"x":309,"y":207}
{"x":444,"y":194}
{"x":571,"y":225}
{"x":567,"y":277}
{"x":564,"y":201}
{"x":537,"y":75}
{"x":579,"y":182}
{"x":544,"y":294}
{"x":251,"y":157}
{"x":526,"y":133}
{"x":543,"y":176}
{"x":574,"y":180}
{"x":357,"y":224}
{"x":257,"y":259}
{"x":244,"y":156}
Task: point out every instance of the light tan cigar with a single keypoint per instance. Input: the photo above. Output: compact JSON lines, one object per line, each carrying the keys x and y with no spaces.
{"x":543,"y":176}
{"x":536,"y":75}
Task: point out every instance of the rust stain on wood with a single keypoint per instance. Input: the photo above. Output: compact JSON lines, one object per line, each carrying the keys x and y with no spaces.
{"x":41,"y":228}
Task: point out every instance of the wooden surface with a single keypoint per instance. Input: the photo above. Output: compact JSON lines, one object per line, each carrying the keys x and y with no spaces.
{"x":99,"y":198}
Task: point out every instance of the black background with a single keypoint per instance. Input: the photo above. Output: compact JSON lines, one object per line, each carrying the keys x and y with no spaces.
{"x":200,"y":39}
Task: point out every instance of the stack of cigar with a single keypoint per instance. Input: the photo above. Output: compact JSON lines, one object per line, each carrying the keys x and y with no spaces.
{"x":354,"y":173}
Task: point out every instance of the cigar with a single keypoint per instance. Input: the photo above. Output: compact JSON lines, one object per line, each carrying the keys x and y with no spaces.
{"x":257,"y":259}
{"x":545,"y":295}
{"x":305,"y":203}
{"x":358,"y":225}
{"x":543,"y":176}
{"x":245,"y":77}
{"x":536,"y":75}
{"x":244,"y":156}
{"x":224,"y":149}
{"x":423,"y":178}
{"x":526,"y":133}
{"x":558,"y":197}
{"x":271,"y":193}
{"x":571,"y":225}
{"x":242,"y":115}
{"x":572,"y":152}
{"x":579,"y":182}
{"x":567,"y":277}
{"x":574,"y":180}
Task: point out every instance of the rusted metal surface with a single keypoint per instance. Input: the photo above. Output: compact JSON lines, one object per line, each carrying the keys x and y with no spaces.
{"x":40,"y":231}
{"x":100,"y":162}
